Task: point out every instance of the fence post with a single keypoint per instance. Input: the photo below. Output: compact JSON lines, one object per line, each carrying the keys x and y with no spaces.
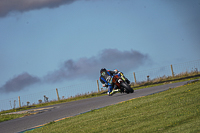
{"x":19,"y":101}
{"x":172,"y":71}
{"x":148,"y":78}
{"x":98,"y":86}
{"x":135,"y":77}
{"x":57,"y":94}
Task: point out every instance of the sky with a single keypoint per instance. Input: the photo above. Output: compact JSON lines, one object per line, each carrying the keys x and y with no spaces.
{"x":53,"y":43}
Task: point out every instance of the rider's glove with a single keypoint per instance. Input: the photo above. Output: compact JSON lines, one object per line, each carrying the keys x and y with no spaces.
{"x":104,"y":85}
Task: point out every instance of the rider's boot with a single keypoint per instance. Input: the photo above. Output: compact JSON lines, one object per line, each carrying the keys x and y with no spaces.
{"x":114,"y":91}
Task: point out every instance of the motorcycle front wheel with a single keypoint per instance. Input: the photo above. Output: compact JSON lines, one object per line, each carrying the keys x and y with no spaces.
{"x":127,"y":88}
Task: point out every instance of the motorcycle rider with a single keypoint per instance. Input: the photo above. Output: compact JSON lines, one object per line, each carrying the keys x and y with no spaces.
{"x":106,"y":80}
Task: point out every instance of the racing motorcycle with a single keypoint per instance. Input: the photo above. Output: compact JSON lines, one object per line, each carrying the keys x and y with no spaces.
{"x":121,"y":82}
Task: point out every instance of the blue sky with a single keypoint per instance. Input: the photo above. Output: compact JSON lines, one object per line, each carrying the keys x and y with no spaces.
{"x":54,"y":43}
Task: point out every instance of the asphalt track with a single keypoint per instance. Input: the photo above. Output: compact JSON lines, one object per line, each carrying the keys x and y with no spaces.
{"x":64,"y":110}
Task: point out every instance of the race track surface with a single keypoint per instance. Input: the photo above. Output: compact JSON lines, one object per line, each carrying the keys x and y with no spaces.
{"x":59,"y":111}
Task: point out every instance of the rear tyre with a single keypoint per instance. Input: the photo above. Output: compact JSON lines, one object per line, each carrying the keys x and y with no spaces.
{"x":127,"y":88}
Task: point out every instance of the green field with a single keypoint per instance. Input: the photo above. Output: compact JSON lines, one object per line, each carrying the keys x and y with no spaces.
{"x":174,"y":110}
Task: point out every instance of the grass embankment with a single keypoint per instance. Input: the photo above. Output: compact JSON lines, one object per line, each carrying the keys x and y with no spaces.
{"x":174,"y":110}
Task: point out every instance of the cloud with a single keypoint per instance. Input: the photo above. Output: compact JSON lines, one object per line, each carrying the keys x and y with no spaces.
{"x":19,"y":82}
{"x":89,"y":67}
{"x":7,"y":6}
{"x":83,"y":68}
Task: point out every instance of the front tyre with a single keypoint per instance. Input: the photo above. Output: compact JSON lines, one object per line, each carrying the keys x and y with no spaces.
{"x":127,"y":88}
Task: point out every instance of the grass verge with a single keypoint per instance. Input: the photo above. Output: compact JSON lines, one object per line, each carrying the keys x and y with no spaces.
{"x":11,"y":116}
{"x":174,"y":110}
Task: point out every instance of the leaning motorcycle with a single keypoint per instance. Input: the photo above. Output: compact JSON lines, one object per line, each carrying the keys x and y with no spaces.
{"x":121,"y":83}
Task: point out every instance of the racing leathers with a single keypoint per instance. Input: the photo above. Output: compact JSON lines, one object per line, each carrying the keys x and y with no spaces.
{"x":106,"y":80}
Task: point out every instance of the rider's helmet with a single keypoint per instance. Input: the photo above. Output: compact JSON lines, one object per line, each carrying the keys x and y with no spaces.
{"x":116,"y":71}
{"x":102,"y":70}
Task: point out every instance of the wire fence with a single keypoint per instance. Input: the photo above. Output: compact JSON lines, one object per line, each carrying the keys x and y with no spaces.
{"x":89,"y":87}
{"x":47,"y":96}
{"x":151,"y":74}
{"x":166,"y":71}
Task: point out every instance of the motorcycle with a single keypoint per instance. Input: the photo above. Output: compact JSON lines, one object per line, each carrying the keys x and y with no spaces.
{"x":121,"y":82}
